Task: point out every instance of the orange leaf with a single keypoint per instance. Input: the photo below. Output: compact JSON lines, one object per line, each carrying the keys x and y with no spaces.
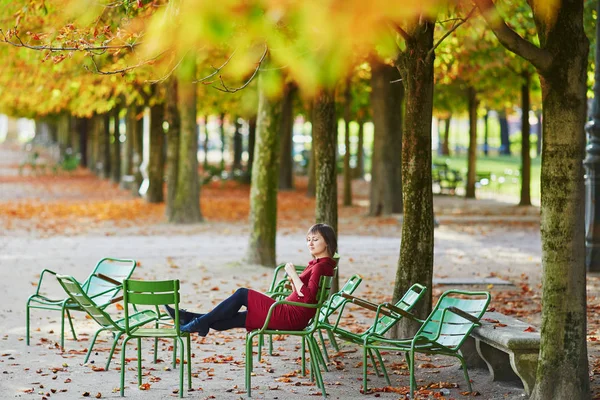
{"x":119,"y":307}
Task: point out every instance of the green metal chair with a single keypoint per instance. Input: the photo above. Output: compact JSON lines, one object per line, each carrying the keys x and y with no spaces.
{"x":117,"y":328}
{"x":443,"y":332}
{"x":329,"y":308}
{"x":306,"y":334}
{"x":154,"y":293}
{"x":102,"y":286}
{"x":386,"y":316}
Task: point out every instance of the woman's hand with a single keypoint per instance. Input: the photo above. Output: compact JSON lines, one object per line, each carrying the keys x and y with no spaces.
{"x":290,"y":270}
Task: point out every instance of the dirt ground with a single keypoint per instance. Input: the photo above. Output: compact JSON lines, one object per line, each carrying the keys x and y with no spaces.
{"x":67,"y":222}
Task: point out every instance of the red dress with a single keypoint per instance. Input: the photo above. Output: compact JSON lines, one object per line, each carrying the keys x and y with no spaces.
{"x":285,"y":316}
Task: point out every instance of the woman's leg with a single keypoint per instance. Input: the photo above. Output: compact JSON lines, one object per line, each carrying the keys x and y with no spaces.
{"x":237,"y":321}
{"x":226,"y":310}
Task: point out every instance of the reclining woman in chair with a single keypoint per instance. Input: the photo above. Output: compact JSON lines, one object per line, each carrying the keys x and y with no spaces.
{"x":322,"y":244}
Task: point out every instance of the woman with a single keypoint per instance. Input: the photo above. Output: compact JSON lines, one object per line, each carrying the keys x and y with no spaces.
{"x":322,"y":244}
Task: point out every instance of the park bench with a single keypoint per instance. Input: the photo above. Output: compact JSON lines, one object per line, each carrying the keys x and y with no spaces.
{"x":446,"y":178}
{"x":508,"y":347}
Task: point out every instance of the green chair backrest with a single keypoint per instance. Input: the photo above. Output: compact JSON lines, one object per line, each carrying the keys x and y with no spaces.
{"x":150,"y":293}
{"x":101,"y":290}
{"x":454,"y":329}
{"x":335,"y":302}
{"x":408,"y":301}
{"x":78,"y":295}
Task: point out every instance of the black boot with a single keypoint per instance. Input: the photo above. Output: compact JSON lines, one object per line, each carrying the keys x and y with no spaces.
{"x":185,"y":316}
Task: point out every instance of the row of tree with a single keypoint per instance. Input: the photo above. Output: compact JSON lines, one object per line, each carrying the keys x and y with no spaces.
{"x":315,"y":45}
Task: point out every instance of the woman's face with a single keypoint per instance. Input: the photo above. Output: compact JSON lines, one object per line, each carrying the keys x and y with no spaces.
{"x":316,"y":244}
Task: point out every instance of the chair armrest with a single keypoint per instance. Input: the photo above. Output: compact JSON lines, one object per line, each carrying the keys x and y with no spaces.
{"x":39,"y":285}
{"x":464,"y":315}
{"x":402,"y":312}
{"x":108,"y":279}
{"x":360,"y":302}
{"x":281,"y":302}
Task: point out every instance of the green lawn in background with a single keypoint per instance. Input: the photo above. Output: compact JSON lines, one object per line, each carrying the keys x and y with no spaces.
{"x":505,"y":170}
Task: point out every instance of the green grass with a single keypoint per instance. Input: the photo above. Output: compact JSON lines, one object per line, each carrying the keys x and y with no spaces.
{"x":505,"y":170}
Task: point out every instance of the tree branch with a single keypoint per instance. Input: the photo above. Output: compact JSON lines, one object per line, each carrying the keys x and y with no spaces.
{"x":540,"y":58}
{"x":399,"y":30}
{"x":86,"y":48}
{"x":233,"y":90}
{"x":122,"y":70}
{"x":455,"y":27}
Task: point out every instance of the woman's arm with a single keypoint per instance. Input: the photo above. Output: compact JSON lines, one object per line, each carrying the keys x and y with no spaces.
{"x":293,"y":276}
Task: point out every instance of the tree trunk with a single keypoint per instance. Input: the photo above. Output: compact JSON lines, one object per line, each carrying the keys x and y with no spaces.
{"x":251,"y":146}
{"x":311,"y":189}
{"x":360,"y":151}
{"x":386,"y":162}
{"x":539,"y":131}
{"x":325,"y":143}
{"x":83,"y":129}
{"x":223,"y":139}
{"x":237,"y":147}
{"x":562,"y":371}
{"x":265,"y":173}
{"x":173,"y":135}
{"x":115,"y":147}
{"x":186,"y":207}
{"x":156,"y":162}
{"x":286,"y":164}
{"x":107,"y":136}
{"x":100,"y":145}
{"x":127,"y":166}
{"x":205,"y":142}
{"x":472,"y":160}
{"x":416,"y":251}
{"x":525,"y":145}
{"x":486,"y":133}
{"x":504,"y":134}
{"x":136,"y":124}
{"x":347,"y":171}
{"x":446,"y":146}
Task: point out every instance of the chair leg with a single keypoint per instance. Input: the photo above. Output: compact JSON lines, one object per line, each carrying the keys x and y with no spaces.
{"x":411,"y":369}
{"x":139,"y":360}
{"x":112,"y":349}
{"x":303,"y":355}
{"x":181,"y":366}
{"x":324,"y":353}
{"x":365,"y":363}
{"x":71,"y":324}
{"x":27,"y":316}
{"x":382,"y":365}
{"x":123,"y":368}
{"x":89,"y":352}
{"x":332,"y":340}
{"x":249,"y":339}
{"x":320,"y":358}
{"x":312,"y":349}
{"x":374,"y":363}
{"x":174,"y":353}
{"x":189,"y":362}
{"x":466,"y":373}
{"x":261,"y":341}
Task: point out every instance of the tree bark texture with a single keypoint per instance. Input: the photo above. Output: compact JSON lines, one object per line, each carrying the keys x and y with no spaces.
{"x":83,"y":126}
{"x":286,"y":164}
{"x":265,"y":173}
{"x":563,"y":366}
{"x":251,"y":145}
{"x":186,"y":207}
{"x":472,"y":159}
{"x":325,"y":143}
{"x":237,"y":147}
{"x":386,"y":167}
{"x":525,"y":143}
{"x":173,"y":135}
{"x":115,"y":147}
{"x":156,"y":171}
{"x":360,"y":151}
{"x":446,"y":143}
{"x":416,"y":250}
{"x":504,"y":133}
{"x":347,"y":197}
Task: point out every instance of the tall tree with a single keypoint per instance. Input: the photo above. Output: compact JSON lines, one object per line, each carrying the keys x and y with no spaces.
{"x":472,"y":159}
{"x":325,"y":144}
{"x":387,"y":96}
{"x":265,"y":173}
{"x":286,"y":164}
{"x":173,"y":144}
{"x":347,"y":197}
{"x":561,"y":61}
{"x":415,"y":64}
{"x":115,"y":146}
{"x":525,"y":199}
{"x":186,"y":207}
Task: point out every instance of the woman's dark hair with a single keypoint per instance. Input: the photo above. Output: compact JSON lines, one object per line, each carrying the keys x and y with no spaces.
{"x":328,"y":234}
